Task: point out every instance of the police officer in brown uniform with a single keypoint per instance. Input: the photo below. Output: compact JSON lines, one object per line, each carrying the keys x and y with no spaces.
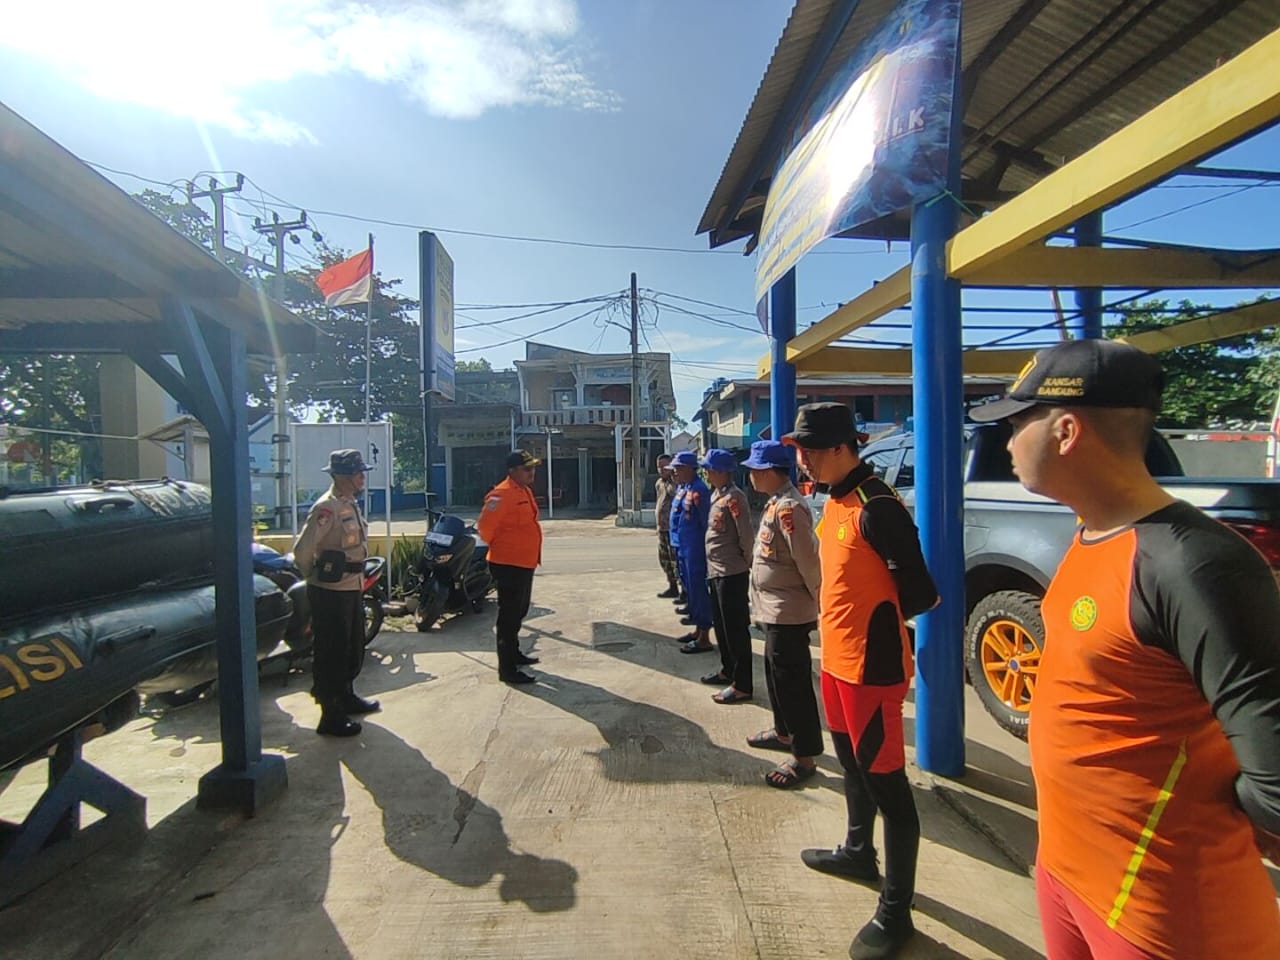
{"x":330,"y":552}
{"x":728,"y":546}
{"x":786,"y":577}
{"x":665,"y":488}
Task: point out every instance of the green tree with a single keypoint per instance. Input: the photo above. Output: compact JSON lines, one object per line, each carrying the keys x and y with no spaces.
{"x":56,"y":393}
{"x":331,"y":380}
{"x":472,"y":366}
{"x":1220,"y":384}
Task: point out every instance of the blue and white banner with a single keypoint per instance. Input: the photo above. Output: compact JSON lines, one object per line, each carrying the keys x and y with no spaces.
{"x":874,"y":141}
{"x":436,"y":331}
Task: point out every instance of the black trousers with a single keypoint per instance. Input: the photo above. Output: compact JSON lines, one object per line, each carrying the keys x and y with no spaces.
{"x":731,"y":617}
{"x":515,"y":591}
{"x":337,"y":631}
{"x":865,"y":793}
{"x":788,"y":672}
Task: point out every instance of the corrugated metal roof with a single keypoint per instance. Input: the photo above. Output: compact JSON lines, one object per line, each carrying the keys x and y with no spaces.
{"x":76,"y":250}
{"x":1064,"y":75}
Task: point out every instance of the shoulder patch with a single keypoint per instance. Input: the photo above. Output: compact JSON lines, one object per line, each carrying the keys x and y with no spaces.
{"x":492,"y":503}
{"x":735,"y":508}
{"x":787,"y":518}
{"x":324,"y":516}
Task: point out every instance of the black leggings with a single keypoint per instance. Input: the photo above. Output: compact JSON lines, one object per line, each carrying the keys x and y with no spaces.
{"x":890,"y":794}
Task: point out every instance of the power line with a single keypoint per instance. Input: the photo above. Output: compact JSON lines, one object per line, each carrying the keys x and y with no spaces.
{"x":552,"y":308}
{"x":1189,"y":206}
{"x":527,"y":336}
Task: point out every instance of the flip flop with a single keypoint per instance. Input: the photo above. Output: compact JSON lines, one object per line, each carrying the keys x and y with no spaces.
{"x":789,"y":775}
{"x":715,"y":679}
{"x":730,"y":695}
{"x":768,"y":740}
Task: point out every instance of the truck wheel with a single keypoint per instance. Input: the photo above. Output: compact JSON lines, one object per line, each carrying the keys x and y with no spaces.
{"x":1003,"y":645}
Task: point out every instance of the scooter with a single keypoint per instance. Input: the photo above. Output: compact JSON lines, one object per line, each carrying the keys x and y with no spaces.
{"x":453,"y":572}
{"x":281,"y":570}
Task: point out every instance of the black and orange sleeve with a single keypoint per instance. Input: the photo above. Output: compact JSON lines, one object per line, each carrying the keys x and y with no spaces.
{"x":1206,"y":596}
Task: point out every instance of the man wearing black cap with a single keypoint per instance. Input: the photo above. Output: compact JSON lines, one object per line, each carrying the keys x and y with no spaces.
{"x":509,"y":525}
{"x":330,"y":552}
{"x":1155,"y":726}
{"x":873,"y":579}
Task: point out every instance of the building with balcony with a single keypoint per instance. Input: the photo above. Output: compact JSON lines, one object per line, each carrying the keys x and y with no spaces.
{"x":571,"y":409}
{"x":735,"y":413}
{"x":576,"y":415}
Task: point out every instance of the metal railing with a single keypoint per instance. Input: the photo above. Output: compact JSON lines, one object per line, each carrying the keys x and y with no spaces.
{"x":576,"y":417}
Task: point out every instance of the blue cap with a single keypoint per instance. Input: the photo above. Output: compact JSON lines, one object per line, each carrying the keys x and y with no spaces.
{"x":768,"y":455}
{"x":720,"y":460}
{"x":685,"y":458}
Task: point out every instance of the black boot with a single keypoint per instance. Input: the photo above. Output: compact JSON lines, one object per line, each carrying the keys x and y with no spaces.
{"x":355,"y":705}
{"x":335,"y":723}
{"x":883,"y":937}
{"x":670,"y":593}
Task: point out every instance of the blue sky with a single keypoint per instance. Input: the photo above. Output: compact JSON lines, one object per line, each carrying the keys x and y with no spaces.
{"x":606,"y":122}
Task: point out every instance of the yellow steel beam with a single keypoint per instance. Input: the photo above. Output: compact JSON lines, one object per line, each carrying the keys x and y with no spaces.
{"x":889,"y":294}
{"x":1229,"y":323}
{"x":1237,"y":98}
{"x":837,"y":360}
{"x":1040,"y":266}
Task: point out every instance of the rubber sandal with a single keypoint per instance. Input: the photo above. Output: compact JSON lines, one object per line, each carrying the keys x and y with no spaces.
{"x":788,"y":775}
{"x":717,"y":679}
{"x":693,"y":646}
{"x":730,"y":695}
{"x":768,"y":740}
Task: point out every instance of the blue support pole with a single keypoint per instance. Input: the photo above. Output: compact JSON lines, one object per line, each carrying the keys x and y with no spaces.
{"x":214,"y":370}
{"x":782,"y":377}
{"x":1088,"y":233}
{"x":938,"y":400}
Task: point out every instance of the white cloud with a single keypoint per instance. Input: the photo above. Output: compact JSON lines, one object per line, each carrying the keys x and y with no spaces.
{"x":456,"y":58}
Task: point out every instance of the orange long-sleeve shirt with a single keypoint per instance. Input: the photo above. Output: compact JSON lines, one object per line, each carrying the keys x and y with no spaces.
{"x":509,"y":525}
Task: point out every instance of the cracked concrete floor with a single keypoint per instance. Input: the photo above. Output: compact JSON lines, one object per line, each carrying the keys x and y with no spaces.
{"x":610,"y":811}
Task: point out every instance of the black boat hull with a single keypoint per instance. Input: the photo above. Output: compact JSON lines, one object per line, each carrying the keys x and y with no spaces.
{"x":75,"y":543}
{"x":61,"y":669}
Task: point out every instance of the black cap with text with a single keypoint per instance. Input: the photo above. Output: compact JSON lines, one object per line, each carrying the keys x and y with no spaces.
{"x":1081,"y":373}
{"x":521,"y":458}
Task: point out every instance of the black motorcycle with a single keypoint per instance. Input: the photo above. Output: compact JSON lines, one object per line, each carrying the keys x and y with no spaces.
{"x":453,"y":572}
{"x":281,"y":570}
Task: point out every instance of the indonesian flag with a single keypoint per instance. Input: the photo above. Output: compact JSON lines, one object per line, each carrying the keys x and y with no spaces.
{"x":350,"y":281}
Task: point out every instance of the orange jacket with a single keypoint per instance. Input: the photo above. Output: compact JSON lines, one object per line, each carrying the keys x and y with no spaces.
{"x":509,"y":525}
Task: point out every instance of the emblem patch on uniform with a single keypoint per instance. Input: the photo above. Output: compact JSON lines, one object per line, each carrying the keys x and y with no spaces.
{"x":1084,"y":613}
{"x":492,"y":503}
{"x":735,"y":509}
{"x":842,"y":533}
{"x":787,"y":519}
{"x":323,"y":517}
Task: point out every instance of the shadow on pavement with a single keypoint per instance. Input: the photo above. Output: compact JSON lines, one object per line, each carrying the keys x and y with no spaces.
{"x":445,"y":829}
{"x":646,"y":744}
{"x":979,"y":931}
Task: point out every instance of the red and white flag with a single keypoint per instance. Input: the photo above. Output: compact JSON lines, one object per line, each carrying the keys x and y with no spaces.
{"x":350,"y":281}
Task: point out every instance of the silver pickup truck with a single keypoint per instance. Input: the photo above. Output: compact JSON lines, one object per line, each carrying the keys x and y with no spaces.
{"x":1014,"y":540}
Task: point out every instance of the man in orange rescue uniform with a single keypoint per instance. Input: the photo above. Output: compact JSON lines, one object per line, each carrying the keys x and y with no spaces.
{"x":1155,"y":726}
{"x":873,"y":578}
{"x":509,"y":525}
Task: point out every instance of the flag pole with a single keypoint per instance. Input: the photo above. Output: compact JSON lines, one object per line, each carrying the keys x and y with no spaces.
{"x":368,"y":349}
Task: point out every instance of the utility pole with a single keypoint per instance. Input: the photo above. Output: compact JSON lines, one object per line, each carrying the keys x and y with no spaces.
{"x":277,"y":230}
{"x":636,"y":455}
{"x":215,"y":193}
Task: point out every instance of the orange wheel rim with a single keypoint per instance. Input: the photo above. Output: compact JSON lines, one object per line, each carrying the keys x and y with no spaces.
{"x":1010,"y":662}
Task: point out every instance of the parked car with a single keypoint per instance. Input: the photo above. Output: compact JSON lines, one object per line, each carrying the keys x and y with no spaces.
{"x":1014,"y":540}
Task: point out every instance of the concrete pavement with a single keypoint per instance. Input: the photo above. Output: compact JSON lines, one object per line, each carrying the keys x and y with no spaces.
{"x":613,"y":810}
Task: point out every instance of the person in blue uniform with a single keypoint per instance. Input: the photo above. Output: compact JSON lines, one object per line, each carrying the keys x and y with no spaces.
{"x":690,"y":514}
